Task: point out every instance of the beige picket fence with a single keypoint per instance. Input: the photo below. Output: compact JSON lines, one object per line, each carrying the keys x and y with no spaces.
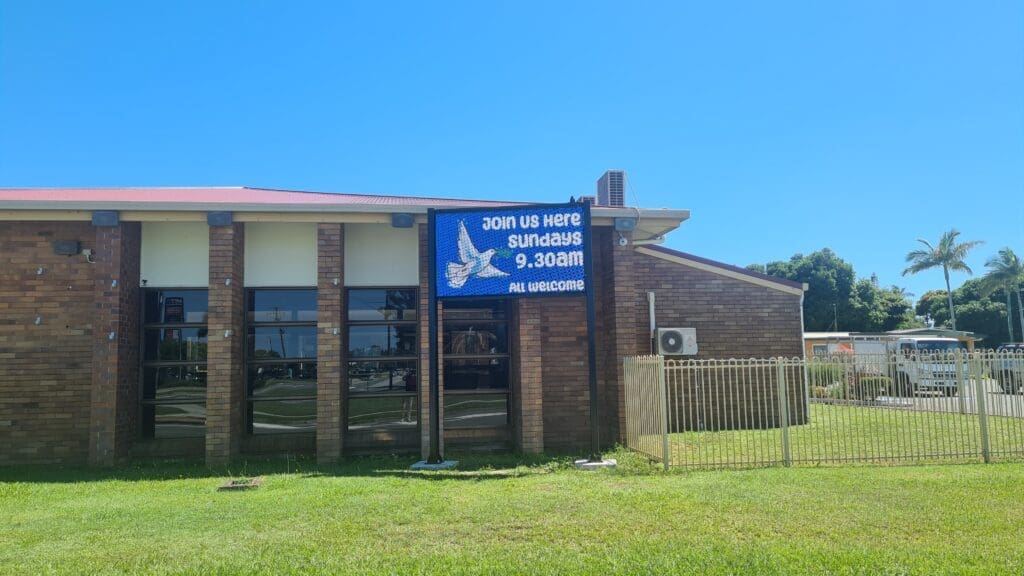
{"x":889,"y":408}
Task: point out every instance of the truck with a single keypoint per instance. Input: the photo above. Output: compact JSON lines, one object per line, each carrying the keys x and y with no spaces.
{"x":1008,"y":368}
{"x":913,"y":364}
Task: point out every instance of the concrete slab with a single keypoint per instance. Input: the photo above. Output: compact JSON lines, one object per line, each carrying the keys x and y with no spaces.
{"x":445,"y":465}
{"x":586,"y":464}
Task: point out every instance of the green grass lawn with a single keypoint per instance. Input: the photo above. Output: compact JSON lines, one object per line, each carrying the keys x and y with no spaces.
{"x":845,"y":433}
{"x":504,"y":515}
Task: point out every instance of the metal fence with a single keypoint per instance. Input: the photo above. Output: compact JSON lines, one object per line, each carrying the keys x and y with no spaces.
{"x":885,"y":408}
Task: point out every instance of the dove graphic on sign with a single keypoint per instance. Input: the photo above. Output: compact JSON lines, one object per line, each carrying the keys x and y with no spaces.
{"x":474,"y":263}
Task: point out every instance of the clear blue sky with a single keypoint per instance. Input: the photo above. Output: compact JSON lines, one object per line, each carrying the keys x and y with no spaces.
{"x":784,"y":126}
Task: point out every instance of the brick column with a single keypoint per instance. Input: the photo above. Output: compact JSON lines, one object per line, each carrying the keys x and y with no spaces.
{"x":115,"y":372}
{"x":422,"y":314}
{"x":225,"y":379}
{"x":528,"y":398}
{"x":331,"y":372}
{"x":625,"y":300}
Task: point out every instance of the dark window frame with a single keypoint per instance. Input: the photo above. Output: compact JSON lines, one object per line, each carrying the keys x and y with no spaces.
{"x":506,"y":321}
{"x":247,"y":360}
{"x":412,"y":359}
{"x":144,"y":327}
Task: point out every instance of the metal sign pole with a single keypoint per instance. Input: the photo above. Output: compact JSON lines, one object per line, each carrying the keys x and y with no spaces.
{"x":435,"y":456}
{"x":435,"y":460}
{"x":588,"y":274}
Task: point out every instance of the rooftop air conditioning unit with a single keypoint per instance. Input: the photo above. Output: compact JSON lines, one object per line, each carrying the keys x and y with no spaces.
{"x":677,"y":341}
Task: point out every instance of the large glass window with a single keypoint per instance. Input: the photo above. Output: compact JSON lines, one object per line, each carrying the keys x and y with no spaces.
{"x":281,"y":360}
{"x":382,"y":359}
{"x":476,"y":364}
{"x":173,"y":363}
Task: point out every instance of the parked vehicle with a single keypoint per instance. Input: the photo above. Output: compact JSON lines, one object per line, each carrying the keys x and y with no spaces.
{"x":912,"y":363}
{"x":1008,"y":368}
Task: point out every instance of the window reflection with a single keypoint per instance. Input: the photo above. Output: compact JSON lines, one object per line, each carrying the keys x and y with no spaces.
{"x":382,"y":412}
{"x":283,"y":416}
{"x":378,"y":377}
{"x":475,"y":410}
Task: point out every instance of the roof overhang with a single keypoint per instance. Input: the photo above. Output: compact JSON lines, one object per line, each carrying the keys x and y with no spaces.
{"x":652,"y":224}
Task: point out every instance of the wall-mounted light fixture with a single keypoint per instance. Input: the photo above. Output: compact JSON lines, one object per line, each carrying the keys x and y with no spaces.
{"x":39,"y":271}
{"x":105,"y":218}
{"x":227,"y":281}
{"x":625,"y":224}
{"x":39,"y":320}
{"x":336,"y":281}
{"x":228,"y":333}
{"x":112,"y":335}
{"x":402,"y":220}
{"x":218,"y":218}
{"x":113,"y":283}
{"x":65,"y":247}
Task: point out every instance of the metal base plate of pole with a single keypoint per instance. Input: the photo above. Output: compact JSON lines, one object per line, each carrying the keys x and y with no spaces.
{"x":586,"y":464}
{"x":442,"y":465}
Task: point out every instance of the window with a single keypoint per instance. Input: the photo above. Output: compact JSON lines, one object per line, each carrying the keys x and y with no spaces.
{"x":173,"y":363}
{"x":382,"y":359}
{"x":281,"y":360}
{"x":476,"y":364}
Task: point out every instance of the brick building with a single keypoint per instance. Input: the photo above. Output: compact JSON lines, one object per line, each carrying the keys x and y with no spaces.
{"x":220,"y":322}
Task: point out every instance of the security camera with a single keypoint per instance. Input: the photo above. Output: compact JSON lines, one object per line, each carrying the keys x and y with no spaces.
{"x":623,"y":241}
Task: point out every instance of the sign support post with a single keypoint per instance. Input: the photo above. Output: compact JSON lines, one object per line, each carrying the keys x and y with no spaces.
{"x":588,"y":267}
{"x":435,"y":460}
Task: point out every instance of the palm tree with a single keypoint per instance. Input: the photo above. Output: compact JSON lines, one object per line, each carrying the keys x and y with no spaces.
{"x":947,"y":254}
{"x":1006,"y":271}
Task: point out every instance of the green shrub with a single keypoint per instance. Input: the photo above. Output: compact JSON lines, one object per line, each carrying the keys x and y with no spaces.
{"x":869,"y":387}
{"x":824,"y":373}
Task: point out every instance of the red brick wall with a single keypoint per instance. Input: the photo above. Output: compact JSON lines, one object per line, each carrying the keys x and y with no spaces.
{"x":331,"y":372}
{"x":733,"y":318}
{"x":527,"y":377}
{"x":566,"y":398}
{"x":225,"y":379}
{"x":115,"y":367}
{"x":45,"y":370}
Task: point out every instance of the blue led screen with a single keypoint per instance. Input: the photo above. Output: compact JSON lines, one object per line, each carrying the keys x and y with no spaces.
{"x":510,"y":252}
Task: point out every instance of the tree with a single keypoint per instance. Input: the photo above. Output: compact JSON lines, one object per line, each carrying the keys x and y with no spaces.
{"x":829,"y":281}
{"x":975,"y":312}
{"x":947,"y":254}
{"x":1007,"y":272}
{"x":836,"y":300}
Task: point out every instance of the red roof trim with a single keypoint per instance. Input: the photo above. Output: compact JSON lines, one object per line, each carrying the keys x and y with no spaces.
{"x":724,"y":266}
{"x":225,"y":195}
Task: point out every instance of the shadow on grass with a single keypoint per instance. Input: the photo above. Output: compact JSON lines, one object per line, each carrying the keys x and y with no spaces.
{"x":472,"y":466}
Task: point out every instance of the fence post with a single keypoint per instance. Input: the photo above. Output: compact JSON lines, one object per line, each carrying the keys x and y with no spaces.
{"x":961,"y":382}
{"x":982,"y":405}
{"x":783,"y":410}
{"x":663,"y":389}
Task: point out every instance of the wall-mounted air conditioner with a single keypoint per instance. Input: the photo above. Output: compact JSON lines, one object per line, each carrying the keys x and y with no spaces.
{"x":677,"y":341}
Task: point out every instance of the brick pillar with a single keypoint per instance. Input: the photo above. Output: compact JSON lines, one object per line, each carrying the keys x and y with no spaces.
{"x":529,"y":393}
{"x":225,"y":380}
{"x":115,"y":372}
{"x":424,"y":364}
{"x":625,"y":300}
{"x":331,"y":372}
